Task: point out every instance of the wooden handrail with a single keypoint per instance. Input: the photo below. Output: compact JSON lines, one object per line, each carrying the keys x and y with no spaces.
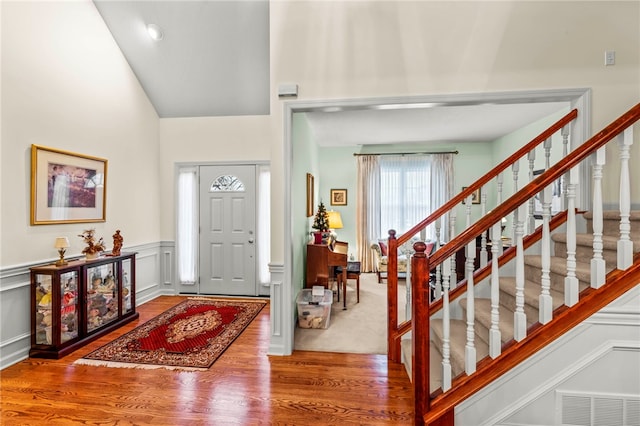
{"x":445,"y":208}
{"x":507,"y":255}
{"x":538,"y":184}
{"x":394,"y":330}
{"x":482,"y":273}
{"x":564,"y":318}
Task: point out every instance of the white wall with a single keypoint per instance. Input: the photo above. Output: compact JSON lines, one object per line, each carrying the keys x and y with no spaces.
{"x":206,"y":139}
{"x":346,"y":50}
{"x":66,"y":85}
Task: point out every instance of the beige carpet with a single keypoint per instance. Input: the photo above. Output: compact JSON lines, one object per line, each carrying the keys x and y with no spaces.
{"x":362,"y":328}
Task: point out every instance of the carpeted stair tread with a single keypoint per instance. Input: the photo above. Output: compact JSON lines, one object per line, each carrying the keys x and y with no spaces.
{"x":609,"y":242}
{"x":483,"y":319}
{"x":611,"y":222}
{"x":559,"y":266}
{"x":584,"y":248}
{"x":634,"y":215}
{"x":458,"y":339}
{"x":532,"y":292}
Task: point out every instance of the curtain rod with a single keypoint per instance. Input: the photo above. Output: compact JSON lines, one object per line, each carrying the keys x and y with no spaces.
{"x":355,"y":154}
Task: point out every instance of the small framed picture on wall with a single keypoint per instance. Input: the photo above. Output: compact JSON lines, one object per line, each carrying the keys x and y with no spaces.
{"x":309,"y":195}
{"x":338,"y":197}
{"x":475,"y":196}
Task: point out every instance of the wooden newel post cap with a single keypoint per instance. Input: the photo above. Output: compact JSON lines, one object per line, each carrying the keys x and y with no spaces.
{"x":420,"y":248}
{"x":392,"y":234}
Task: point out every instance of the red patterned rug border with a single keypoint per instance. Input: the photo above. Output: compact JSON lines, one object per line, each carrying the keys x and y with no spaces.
{"x":121,"y":353}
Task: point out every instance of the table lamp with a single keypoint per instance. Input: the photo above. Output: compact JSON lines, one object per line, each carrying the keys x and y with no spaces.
{"x":335,"y":220}
{"x":62,"y":243}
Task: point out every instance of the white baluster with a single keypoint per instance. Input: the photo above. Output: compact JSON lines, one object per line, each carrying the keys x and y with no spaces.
{"x":519,"y":316}
{"x":571,"y":287}
{"x":495,"y":337}
{"x":498,"y":202}
{"x":565,"y":152}
{"x":452,"y":232}
{"x":545,"y":300}
{"x":470,"y":349}
{"x":438,"y":282}
{"x":467,"y":213}
{"x":516,"y":169}
{"x":407,"y":297}
{"x":531,"y":156}
{"x":625,"y":245}
{"x":484,"y":258}
{"x":547,"y":153}
{"x":446,"y":315}
{"x":598,"y":265}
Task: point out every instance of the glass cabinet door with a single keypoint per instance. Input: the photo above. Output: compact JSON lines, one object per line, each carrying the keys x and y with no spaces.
{"x":102,"y":295}
{"x":43,"y":311}
{"x":68,"y":306}
{"x":127,"y":306}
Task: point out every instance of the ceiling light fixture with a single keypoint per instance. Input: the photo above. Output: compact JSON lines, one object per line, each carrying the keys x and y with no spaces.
{"x":155,"y":32}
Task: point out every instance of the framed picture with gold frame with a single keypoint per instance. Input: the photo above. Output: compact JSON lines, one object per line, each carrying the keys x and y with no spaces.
{"x":338,"y":197}
{"x":67,"y":187}
{"x":309,"y":195}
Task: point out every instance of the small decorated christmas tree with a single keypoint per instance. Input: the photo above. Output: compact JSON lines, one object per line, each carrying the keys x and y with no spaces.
{"x":321,"y":220}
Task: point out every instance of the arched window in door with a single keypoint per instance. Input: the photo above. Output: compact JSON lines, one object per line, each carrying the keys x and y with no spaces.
{"x":227,"y":183}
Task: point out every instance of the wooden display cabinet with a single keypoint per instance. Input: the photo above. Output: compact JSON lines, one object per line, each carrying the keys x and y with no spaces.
{"x":76,"y":303}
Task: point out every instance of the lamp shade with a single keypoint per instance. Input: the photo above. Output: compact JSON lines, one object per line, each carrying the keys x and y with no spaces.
{"x":61,"y":242}
{"x":335,"y":220}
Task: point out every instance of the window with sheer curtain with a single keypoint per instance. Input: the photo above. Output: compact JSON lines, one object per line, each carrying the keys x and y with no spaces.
{"x":397,"y":192}
{"x":404,"y":191}
{"x":187,"y":227}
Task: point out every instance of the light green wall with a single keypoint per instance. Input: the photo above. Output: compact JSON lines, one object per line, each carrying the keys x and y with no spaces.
{"x":508,"y":144}
{"x":305,"y":160}
{"x":338,"y":170}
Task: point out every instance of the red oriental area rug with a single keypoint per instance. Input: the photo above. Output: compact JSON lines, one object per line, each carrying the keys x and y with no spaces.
{"x":188,"y":336}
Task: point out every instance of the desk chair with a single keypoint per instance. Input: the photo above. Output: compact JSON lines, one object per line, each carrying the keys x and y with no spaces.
{"x":353,"y":273}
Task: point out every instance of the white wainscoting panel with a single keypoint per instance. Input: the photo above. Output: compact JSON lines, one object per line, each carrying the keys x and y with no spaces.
{"x":15,"y":297}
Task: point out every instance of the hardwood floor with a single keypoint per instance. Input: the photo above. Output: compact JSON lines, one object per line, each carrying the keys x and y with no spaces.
{"x":245,"y":386}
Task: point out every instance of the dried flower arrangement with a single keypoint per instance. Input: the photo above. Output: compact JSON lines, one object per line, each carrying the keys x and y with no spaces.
{"x":92,"y":247}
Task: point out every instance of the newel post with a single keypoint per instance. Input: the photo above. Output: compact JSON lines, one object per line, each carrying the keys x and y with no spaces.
{"x":420,"y":300}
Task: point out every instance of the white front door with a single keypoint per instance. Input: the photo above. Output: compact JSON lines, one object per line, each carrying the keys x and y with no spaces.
{"x":228,"y":230}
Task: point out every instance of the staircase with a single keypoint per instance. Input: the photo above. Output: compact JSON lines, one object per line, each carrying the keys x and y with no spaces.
{"x":552,"y":279}
{"x":532,"y":291}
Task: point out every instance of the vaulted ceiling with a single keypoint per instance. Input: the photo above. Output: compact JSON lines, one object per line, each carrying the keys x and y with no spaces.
{"x":213,"y":60}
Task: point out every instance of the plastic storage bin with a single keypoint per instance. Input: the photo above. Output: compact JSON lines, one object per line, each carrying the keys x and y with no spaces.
{"x":314,"y":311}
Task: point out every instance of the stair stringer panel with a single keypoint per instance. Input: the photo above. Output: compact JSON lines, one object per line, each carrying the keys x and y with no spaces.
{"x":602,"y":354}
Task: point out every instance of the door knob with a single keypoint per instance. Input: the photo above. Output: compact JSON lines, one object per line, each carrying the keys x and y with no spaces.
{"x":251,"y":240}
